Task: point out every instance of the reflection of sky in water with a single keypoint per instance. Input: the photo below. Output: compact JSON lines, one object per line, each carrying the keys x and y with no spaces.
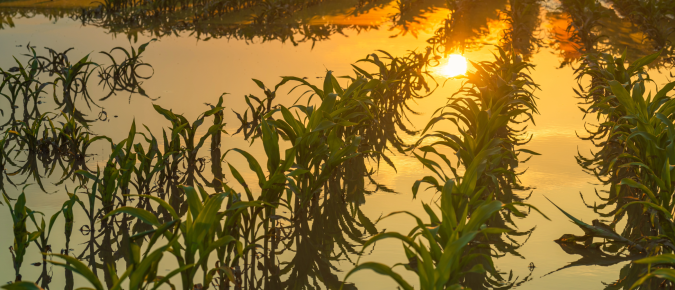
{"x":188,"y":74}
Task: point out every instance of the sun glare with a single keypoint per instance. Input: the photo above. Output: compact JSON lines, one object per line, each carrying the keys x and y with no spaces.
{"x":455,"y":66}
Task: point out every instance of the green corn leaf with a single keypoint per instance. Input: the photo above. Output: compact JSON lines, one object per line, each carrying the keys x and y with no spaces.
{"x":623,"y":96}
{"x":252,"y":163}
{"x":141,"y":270}
{"x":22,"y":285}
{"x":193,"y":200}
{"x":482,"y":214}
{"x":592,"y":230}
{"x":204,"y":255}
{"x":162,"y":203}
{"x":640,"y":63}
{"x":667,"y":274}
{"x":78,"y":267}
{"x":660,"y":259}
{"x":324,"y":125}
{"x":450,"y":257}
{"x":138,"y":213}
{"x":207,"y":218}
{"x":34,"y":236}
{"x":632,"y":183}
{"x":271,"y":144}
{"x":328,"y":83}
{"x":394,"y":235}
{"x":383,"y":270}
{"x":166,"y":278}
{"x":657,"y":207}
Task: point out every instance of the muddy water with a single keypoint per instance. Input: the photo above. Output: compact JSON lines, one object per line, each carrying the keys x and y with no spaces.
{"x":189,"y":73}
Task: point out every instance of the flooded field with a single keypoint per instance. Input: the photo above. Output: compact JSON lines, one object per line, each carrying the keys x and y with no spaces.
{"x":245,"y":144}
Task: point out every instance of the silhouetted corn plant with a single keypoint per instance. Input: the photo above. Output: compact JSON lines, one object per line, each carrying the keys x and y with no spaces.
{"x":653,"y":17}
{"x":523,"y":20}
{"x":273,"y":10}
{"x":23,"y":88}
{"x":406,"y":5}
{"x":586,"y":18}
{"x":125,"y":76}
{"x":461,"y":28}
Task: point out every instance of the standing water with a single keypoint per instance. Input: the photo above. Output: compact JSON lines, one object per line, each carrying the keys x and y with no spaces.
{"x":298,"y":144}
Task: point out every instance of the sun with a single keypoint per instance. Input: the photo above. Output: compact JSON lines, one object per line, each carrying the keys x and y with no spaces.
{"x":455,"y":66}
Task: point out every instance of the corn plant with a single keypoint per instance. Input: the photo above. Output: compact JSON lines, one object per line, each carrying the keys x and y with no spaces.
{"x":497,"y":98}
{"x":445,"y":259}
{"x":599,"y":99}
{"x":201,"y":233}
{"x":22,"y":237}
{"x":635,"y":141}
{"x":198,"y":231}
{"x":28,"y":138}
{"x":317,"y":150}
{"x":608,"y":111}
{"x":69,"y":216}
{"x":43,"y":241}
{"x":329,"y":140}
{"x":645,"y":172}
{"x":660,"y":263}
{"x":385,"y":93}
{"x":441,"y":261}
{"x":182,"y":127}
{"x":142,"y":271}
{"x":74,"y":76}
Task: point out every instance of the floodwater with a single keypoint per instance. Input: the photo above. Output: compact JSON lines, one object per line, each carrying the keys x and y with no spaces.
{"x":191,"y":70}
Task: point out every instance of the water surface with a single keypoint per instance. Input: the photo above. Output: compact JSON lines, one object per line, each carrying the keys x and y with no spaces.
{"x":192,"y":69}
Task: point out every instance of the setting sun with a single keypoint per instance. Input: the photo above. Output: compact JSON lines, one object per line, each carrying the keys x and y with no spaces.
{"x":456,"y":65}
